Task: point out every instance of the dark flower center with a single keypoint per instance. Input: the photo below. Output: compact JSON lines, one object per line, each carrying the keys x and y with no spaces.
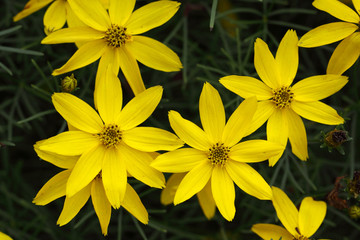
{"x":282,"y":97}
{"x":116,"y":36}
{"x":218,"y":154}
{"x":110,"y":136}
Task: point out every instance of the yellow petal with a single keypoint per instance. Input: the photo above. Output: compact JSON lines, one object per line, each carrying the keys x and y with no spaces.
{"x":73,"y":34}
{"x":150,"y":139}
{"x":249,"y":180}
{"x":212,"y":113}
{"x":101,"y":204}
{"x":223,"y":191}
{"x":172,"y":184}
{"x":265,"y":64}
{"x":86,"y":54}
{"x":91,"y":13}
{"x":109,"y":100}
{"x":56,"y":159}
{"x":181,"y":160}
{"x":254,"y":151}
{"x":271,"y":232}
{"x":193,"y":182}
{"x":55,"y":16}
{"x":239,"y":121}
{"x":317,"y":112}
{"x":72,"y":205}
{"x":311,"y":215}
{"x":114,"y":176}
{"x":120,"y":11}
{"x":151,"y":16}
{"x":72,"y":20}
{"x":318,"y":87}
{"x":77,"y":112}
{"x":31,"y":7}
{"x":3,"y":236}
{"x":130,"y":68}
{"x":277,"y":130}
{"x":189,"y":132}
{"x":87,"y":167}
{"x":154,"y":54}
{"x":356,"y":4}
{"x":338,"y":10}
{"x":207,"y":202}
{"x":297,"y":135}
{"x":71,"y":143}
{"x":285,"y":210}
{"x":327,"y":33}
{"x":109,"y":59}
{"x":140,"y":108}
{"x":247,"y":87}
{"x":53,"y":189}
{"x":138,"y":165}
{"x":287,"y":57}
{"x":344,"y":55}
{"x":133,"y":205}
{"x":263,"y":111}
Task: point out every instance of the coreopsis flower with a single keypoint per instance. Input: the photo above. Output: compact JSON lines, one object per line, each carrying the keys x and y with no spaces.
{"x":3,"y":236}
{"x":110,"y":142}
{"x":113,"y":37}
{"x":299,"y":224}
{"x":204,"y":196}
{"x":56,"y":188}
{"x":281,"y":104}
{"x":348,"y":50}
{"x":216,"y":159}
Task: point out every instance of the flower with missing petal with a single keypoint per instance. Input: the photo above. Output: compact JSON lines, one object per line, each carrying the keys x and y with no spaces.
{"x":348,"y":50}
{"x":281,"y":104}
{"x":216,"y":159}
{"x":113,"y":36}
{"x":204,"y":196}
{"x":110,"y":142}
{"x":299,"y":224}
{"x":56,"y":188}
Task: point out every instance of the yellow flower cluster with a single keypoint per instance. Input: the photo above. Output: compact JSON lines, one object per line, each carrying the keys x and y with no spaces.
{"x":104,"y":146}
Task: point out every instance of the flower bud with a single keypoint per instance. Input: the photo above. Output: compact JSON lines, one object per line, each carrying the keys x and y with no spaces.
{"x":69,"y":83}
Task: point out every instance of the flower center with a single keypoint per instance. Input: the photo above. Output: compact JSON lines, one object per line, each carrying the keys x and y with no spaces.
{"x":218,"y":154}
{"x":116,"y":36}
{"x":282,"y":97}
{"x":110,"y":136}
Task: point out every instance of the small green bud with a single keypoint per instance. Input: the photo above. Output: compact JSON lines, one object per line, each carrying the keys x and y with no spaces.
{"x":69,"y":83}
{"x":354,"y":212}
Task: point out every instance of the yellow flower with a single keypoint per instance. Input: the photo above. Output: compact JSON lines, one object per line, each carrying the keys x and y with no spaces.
{"x":113,"y":37}
{"x":3,"y":236}
{"x":281,"y":104}
{"x":58,"y":13}
{"x":299,"y":225}
{"x":348,"y":51}
{"x":110,"y":142}
{"x":216,"y":158}
{"x":205,"y":197}
{"x":56,"y":188}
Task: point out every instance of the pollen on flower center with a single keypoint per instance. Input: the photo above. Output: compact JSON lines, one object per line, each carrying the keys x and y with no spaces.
{"x":111,"y":135}
{"x":116,"y":36}
{"x":282,"y":97}
{"x":218,"y":154}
